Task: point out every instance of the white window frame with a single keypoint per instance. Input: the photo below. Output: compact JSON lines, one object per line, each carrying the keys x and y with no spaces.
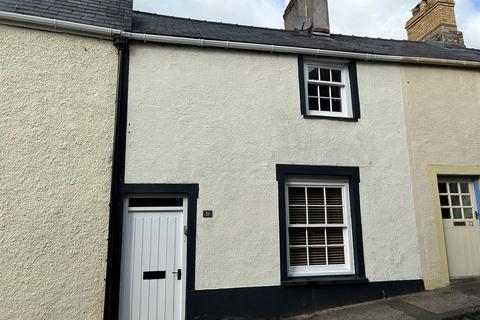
{"x":346,"y":94}
{"x":473,"y":201}
{"x":327,"y":270}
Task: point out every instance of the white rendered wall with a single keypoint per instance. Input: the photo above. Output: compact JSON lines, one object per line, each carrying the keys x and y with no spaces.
{"x":57,"y":108}
{"x":224,"y":119}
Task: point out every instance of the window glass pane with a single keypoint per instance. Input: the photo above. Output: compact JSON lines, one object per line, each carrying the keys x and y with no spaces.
{"x":313,"y":73}
{"x":296,"y":196}
{"x":313,"y":104}
{"x":336,"y":105}
{"x":334,"y":196}
{"x":315,"y":196}
{"x":334,"y":236}
{"x":155,"y":202}
{"x":455,"y":200}
{"x":298,"y":215}
{"x":334,"y":215}
{"x":325,"y":91}
{"x":442,"y":187}
{"x":466,"y":201}
{"x":313,"y":90}
{"x":316,"y":215}
{"x":464,"y":188}
{"x":468,"y":213}
{"x":325,"y":104}
{"x":317,"y":256}
{"x":297,"y":236}
{"x":336,"y":92}
{"x":444,"y":200}
{"x":316,"y":236}
{"x":457,"y":213}
{"x":310,"y":244}
{"x":298,"y":256}
{"x":446,"y":213}
{"x":336,"y":255}
{"x":336,"y":76}
{"x":453,"y":187}
{"x":325,"y":74}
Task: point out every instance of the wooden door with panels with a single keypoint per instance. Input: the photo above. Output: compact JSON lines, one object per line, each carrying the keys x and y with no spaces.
{"x":461,"y":226}
{"x":153,"y":269}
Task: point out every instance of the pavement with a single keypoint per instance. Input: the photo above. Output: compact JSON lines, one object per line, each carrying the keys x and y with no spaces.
{"x":452,"y":303}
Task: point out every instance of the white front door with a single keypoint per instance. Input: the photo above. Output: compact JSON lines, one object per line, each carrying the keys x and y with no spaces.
{"x":461,"y":226}
{"x":153,"y":263}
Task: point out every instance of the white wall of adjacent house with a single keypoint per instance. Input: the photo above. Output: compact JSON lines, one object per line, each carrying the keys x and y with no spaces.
{"x":57,"y":105}
{"x":224,"y":119}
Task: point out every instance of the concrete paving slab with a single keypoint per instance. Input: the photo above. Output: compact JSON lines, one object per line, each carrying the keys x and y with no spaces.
{"x":451,"y":303}
{"x":376,"y":311}
{"x":439,"y":302}
{"x":471,"y":287}
{"x":411,"y":310}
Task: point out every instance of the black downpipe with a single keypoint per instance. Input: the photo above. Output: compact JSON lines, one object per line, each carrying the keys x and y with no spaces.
{"x":112,"y":286}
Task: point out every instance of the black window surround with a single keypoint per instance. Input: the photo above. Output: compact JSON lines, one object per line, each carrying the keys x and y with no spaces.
{"x":353,"y":175}
{"x":355,"y":103}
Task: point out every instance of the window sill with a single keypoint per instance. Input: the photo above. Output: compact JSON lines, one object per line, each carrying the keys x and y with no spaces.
{"x":323,"y":280}
{"x":307,"y":116}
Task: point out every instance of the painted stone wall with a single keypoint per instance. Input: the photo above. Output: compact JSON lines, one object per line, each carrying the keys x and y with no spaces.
{"x":442,"y":115}
{"x":57,"y":105}
{"x":224,"y":119}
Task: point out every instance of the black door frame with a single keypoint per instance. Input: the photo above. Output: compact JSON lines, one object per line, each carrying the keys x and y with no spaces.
{"x":115,"y":243}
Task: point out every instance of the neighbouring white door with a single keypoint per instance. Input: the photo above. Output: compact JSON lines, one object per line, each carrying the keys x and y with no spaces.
{"x":153,"y":259}
{"x":461,"y":226}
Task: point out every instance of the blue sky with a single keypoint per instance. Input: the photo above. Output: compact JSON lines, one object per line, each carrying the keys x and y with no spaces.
{"x":373,"y":18}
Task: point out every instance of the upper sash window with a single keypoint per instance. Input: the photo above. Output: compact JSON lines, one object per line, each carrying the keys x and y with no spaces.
{"x":329,"y":89}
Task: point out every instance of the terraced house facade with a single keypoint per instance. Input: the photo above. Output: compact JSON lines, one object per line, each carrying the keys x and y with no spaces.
{"x":166,"y":168}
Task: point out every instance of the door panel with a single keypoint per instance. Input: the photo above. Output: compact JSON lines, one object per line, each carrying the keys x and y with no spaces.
{"x":152,"y":254}
{"x":461,"y":227}
{"x":462,"y":244}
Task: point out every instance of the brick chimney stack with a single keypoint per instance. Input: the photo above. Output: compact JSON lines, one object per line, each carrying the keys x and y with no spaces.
{"x":310,"y":13}
{"x":434,"y":20}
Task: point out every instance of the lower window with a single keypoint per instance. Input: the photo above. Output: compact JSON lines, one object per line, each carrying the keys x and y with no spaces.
{"x":319,"y":228}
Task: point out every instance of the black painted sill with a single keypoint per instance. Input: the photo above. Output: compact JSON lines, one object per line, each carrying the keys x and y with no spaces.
{"x":321,"y":281}
{"x":307,"y":116}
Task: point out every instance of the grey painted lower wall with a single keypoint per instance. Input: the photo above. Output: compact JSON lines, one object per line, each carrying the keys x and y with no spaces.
{"x":57,"y":105}
{"x":224,"y":119}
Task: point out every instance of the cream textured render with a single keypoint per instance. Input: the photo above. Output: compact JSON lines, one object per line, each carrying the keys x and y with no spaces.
{"x":442,"y":107}
{"x":57,"y":104}
{"x":224,"y":119}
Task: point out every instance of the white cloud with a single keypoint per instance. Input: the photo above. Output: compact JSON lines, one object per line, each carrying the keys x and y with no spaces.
{"x":372,"y":18}
{"x":249,"y":12}
{"x":468,"y":20}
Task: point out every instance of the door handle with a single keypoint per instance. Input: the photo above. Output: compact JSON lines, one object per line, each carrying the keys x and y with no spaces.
{"x":476,"y":215}
{"x":178,"y":273}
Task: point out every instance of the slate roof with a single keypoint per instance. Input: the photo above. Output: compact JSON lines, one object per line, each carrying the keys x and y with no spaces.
{"x":115,"y":14}
{"x":119,"y":14}
{"x":181,"y":27}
